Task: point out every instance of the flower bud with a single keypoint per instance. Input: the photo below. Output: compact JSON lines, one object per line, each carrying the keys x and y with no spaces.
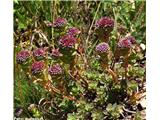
{"x":37,"y":67}
{"x":59,"y":22}
{"x":22,"y":56}
{"x":124,"y":46}
{"x":126,"y":42}
{"x":102,"y":47}
{"x":73,"y":31}
{"x":104,"y":26}
{"x":55,"y":70}
{"x":39,"y":53}
{"x":67,"y":41}
{"x":105,"y":22}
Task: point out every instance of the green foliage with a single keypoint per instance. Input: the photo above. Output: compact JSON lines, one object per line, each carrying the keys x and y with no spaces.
{"x":113,"y":111}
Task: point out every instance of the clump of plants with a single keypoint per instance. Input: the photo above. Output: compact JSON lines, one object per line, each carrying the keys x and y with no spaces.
{"x":63,"y":83}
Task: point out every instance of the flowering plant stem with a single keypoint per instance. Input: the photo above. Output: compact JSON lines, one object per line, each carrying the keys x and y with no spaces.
{"x":110,"y":71}
{"x":53,"y":89}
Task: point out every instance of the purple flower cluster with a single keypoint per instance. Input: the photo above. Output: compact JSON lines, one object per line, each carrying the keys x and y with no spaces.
{"x":40,"y":52}
{"x":126,"y":42}
{"x":67,"y":41}
{"x":56,"y":53}
{"x":55,"y":70}
{"x":104,"y":22}
{"x":102,"y":47}
{"x":22,"y":56}
{"x":73,"y":31}
{"x":37,"y":67}
{"x":59,"y":22}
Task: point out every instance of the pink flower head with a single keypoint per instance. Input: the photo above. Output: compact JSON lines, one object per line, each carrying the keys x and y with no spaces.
{"x":59,"y":22}
{"x":73,"y":31}
{"x":67,"y":41}
{"x":102,"y":47}
{"x":39,"y":52}
{"x":55,"y":52}
{"x":104,"y":22}
{"x":37,"y":67}
{"x":126,"y":42}
{"x":55,"y":70}
{"x":22,"y":56}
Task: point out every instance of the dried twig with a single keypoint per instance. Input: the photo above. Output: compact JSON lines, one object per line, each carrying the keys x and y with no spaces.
{"x":129,"y":111}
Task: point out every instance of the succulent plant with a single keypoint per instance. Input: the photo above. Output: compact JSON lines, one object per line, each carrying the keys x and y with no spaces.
{"x":83,"y":72}
{"x":104,"y":26}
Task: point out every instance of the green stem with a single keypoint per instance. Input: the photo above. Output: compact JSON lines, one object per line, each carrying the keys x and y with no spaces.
{"x":89,"y":32}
